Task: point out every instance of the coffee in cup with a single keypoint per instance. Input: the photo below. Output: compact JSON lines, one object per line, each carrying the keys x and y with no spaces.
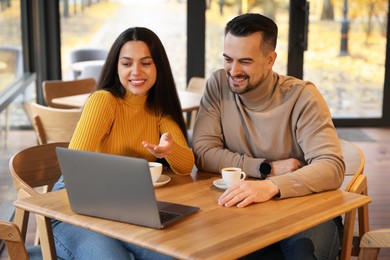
{"x":155,"y":170}
{"x":231,"y":175}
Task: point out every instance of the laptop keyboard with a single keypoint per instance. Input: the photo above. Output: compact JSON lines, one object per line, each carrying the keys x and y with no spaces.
{"x":166,"y":216}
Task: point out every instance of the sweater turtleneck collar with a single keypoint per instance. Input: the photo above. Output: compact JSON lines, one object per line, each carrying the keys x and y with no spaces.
{"x":134,"y":99}
{"x":260,"y":96}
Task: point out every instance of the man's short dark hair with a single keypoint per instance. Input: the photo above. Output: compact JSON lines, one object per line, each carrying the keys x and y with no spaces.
{"x":247,"y":24}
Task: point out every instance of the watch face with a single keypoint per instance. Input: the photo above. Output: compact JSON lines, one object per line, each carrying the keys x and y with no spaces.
{"x":265,"y":168}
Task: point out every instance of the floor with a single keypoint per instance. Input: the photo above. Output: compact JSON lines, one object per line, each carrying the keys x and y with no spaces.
{"x":374,"y":142}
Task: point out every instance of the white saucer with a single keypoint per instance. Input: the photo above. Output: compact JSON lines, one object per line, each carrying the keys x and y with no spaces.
{"x":220,"y":184}
{"x":164,"y":179}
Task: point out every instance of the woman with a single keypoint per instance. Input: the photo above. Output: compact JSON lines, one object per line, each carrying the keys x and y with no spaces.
{"x":134,"y":112}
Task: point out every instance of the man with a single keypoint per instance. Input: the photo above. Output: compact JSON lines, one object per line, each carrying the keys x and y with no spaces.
{"x":276,"y":128}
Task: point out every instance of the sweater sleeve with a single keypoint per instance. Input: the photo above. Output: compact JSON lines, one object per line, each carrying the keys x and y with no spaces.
{"x":181,"y":159}
{"x":95,"y":122}
{"x":209,"y":147}
{"x":318,"y":139}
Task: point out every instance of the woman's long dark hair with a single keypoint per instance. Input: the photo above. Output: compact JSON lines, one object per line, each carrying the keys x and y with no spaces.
{"x":162,"y":97}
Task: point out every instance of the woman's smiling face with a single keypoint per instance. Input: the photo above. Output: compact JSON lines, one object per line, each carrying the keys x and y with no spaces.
{"x":136,"y":69}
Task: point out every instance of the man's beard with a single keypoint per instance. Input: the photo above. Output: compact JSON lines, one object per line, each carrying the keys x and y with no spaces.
{"x":237,"y":89}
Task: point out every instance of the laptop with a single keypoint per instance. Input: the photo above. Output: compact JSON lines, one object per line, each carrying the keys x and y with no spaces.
{"x":115,"y":187}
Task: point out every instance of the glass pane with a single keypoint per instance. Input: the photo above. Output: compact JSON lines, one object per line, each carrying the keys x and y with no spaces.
{"x":11,"y":68}
{"x":98,"y":24}
{"x":346,"y":55}
{"x":220,"y":12}
{"x":11,"y":60}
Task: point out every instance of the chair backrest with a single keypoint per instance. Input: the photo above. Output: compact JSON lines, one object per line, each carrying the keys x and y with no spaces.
{"x":59,"y":88}
{"x":354,"y":162}
{"x":54,"y":124}
{"x":85,"y":54}
{"x":372,"y":242}
{"x":196,"y":84}
{"x":32,"y":168}
{"x":36,"y":166}
{"x":9,"y":232}
{"x":91,"y":71}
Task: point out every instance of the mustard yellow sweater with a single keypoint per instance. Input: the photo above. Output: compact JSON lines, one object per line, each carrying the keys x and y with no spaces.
{"x":118,"y":126}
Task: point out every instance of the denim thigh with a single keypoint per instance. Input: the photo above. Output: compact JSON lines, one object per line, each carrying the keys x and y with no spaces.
{"x":78,"y":243}
{"x":320,"y":242}
{"x":141,"y":253}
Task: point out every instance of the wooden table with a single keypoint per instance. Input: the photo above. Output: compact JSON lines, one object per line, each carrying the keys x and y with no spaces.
{"x":214,"y":232}
{"x":189,"y":100}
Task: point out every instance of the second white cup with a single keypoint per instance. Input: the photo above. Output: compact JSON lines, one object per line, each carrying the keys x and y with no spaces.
{"x":155,"y":170}
{"x":231,"y":175}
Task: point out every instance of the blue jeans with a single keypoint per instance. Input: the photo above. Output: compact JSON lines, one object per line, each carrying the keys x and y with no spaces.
{"x":320,"y":242}
{"x":73,"y":242}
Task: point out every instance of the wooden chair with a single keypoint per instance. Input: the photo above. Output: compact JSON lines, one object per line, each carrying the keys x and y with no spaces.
{"x":59,"y":88}
{"x":372,"y":242}
{"x":54,"y":124}
{"x":35,"y":170}
{"x":9,"y":232}
{"x":354,"y":162}
{"x":197,"y":85}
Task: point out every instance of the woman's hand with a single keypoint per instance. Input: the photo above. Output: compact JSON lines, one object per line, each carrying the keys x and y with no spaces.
{"x":163,"y":149}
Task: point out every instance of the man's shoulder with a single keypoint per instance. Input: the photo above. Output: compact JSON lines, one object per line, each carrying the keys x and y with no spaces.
{"x":292,"y":83}
{"x":218,"y":81}
{"x":219,"y":76}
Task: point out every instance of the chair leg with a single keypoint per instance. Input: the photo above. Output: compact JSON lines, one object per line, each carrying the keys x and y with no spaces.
{"x":46,"y":237}
{"x":21,"y":220}
{"x":368,"y":254}
{"x":346,"y":246}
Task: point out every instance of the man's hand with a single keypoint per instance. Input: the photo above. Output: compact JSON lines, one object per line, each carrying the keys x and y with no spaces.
{"x":246,"y":192}
{"x":163,"y":149}
{"x":285,"y":166}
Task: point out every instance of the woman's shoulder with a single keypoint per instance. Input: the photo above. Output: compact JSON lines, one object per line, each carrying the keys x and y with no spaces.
{"x":102,"y":94}
{"x":102,"y":98}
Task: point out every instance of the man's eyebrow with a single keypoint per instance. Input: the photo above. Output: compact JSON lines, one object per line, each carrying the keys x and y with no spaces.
{"x":242,"y":59}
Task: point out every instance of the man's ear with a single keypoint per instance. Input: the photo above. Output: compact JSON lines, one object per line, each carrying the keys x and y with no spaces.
{"x":271,"y":58}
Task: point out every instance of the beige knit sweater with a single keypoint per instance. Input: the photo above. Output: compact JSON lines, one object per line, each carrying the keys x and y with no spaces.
{"x":282,"y":118}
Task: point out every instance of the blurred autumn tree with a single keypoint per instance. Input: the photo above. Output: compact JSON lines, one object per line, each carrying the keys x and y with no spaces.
{"x":367,"y":12}
{"x":327,"y":10}
{"x":83,"y":3}
{"x":370,"y":13}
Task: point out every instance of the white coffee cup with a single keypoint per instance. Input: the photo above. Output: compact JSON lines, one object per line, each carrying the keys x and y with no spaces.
{"x":231,"y":175}
{"x":155,"y":170}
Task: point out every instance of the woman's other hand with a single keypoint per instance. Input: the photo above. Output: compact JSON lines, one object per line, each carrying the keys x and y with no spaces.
{"x":163,"y":149}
